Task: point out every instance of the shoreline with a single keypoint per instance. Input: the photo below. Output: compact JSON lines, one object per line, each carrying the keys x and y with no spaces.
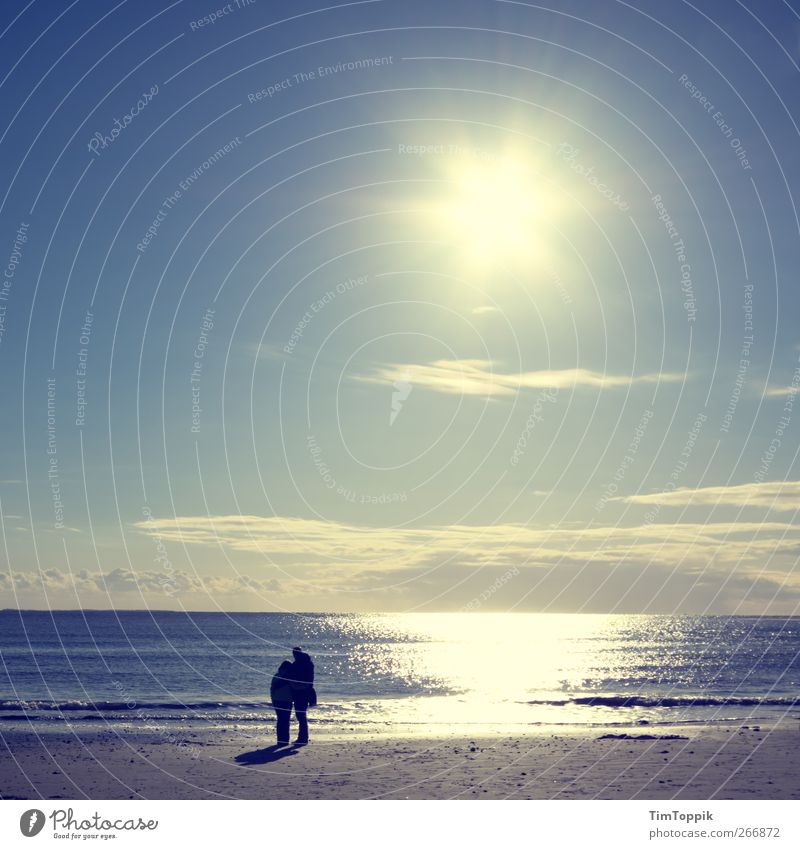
{"x":708,"y":761}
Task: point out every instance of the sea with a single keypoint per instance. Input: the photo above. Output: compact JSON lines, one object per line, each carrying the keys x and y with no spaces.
{"x":426,"y":673}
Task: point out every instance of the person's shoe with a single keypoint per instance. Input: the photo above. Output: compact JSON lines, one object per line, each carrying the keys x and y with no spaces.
{"x":300,"y":743}
{"x":282,"y":743}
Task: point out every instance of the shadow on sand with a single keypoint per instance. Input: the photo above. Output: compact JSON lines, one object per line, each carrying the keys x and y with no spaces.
{"x":266,"y":756}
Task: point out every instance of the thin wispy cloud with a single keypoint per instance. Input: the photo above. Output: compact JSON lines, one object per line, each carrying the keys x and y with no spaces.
{"x":478,"y":377}
{"x":269,"y":351}
{"x":782,"y":496}
{"x":782,"y":391}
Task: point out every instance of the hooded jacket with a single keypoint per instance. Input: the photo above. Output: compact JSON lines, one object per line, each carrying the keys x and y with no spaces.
{"x":280,"y":688}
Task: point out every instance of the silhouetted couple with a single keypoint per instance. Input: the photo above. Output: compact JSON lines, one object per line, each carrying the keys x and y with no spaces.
{"x":293,"y":686}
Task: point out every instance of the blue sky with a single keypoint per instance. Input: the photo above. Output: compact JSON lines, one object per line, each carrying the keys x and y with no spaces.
{"x":393,"y":306}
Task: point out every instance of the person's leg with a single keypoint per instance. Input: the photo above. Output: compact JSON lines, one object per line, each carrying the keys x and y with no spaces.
{"x":284,"y":714}
{"x":300,"y":708}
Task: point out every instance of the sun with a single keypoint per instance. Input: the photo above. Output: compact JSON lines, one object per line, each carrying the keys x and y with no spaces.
{"x":496,"y":210}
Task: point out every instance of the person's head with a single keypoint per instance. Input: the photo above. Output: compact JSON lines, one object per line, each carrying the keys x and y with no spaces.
{"x":298,"y":653}
{"x":285,"y":669}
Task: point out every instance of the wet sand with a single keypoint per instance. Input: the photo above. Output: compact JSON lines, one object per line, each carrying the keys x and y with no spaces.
{"x":679,"y":762}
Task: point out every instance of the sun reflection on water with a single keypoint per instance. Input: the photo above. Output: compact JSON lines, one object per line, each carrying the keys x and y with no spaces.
{"x":498,"y":670}
{"x":493,"y":665}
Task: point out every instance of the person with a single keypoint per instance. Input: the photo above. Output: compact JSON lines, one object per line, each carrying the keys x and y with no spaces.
{"x":303,"y":692}
{"x":280,"y":691}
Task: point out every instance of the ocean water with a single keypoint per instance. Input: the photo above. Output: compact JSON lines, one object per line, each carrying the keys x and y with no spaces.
{"x":379,"y":672}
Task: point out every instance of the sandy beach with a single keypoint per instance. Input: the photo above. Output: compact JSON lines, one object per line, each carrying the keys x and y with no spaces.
{"x":723,"y":761}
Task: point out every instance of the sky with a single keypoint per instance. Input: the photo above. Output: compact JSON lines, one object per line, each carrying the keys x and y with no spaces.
{"x":400,"y":306}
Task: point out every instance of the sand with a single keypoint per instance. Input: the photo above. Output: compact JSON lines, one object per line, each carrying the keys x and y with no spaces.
{"x":698,"y":762}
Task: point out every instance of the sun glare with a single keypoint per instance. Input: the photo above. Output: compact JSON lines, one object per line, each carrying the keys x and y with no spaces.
{"x":496,"y":211}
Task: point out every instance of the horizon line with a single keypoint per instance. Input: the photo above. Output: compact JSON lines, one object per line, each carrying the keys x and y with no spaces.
{"x":384,"y":612}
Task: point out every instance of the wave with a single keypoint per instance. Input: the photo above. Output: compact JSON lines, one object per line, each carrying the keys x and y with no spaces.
{"x":614,"y":701}
{"x":150,"y":720}
{"x":214,"y":712}
{"x":130,"y":706}
{"x":668,"y":701}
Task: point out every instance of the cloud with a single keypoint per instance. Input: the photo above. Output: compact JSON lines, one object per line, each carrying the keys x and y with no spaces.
{"x":477,"y":377}
{"x":687,"y":567}
{"x":141,"y":582}
{"x":781,"y":496}
{"x":781,"y":391}
{"x":269,"y":351}
{"x":346,"y":557}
